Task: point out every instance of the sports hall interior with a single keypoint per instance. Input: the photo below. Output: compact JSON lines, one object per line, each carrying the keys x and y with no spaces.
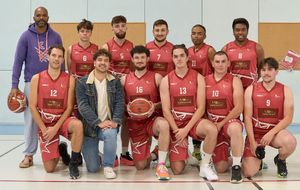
{"x":273,"y":23}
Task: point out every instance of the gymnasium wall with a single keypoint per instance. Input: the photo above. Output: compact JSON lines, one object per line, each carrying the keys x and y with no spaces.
{"x":215,"y":15}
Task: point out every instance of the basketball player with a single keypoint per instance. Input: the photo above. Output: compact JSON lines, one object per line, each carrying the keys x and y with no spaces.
{"x":80,"y":55}
{"x":224,"y":104}
{"x":145,"y":84}
{"x":160,"y":49}
{"x":51,"y":104}
{"x":200,"y":58}
{"x":244,"y":55}
{"x":121,"y":65}
{"x":182,"y":94}
{"x":269,"y":109}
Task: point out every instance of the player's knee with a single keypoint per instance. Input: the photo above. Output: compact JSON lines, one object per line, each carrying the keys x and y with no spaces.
{"x":78,"y":126}
{"x":291,"y":143}
{"x":235,"y":128}
{"x":176,"y":170}
{"x":220,"y":168}
{"x":49,"y":169}
{"x":163,"y":125}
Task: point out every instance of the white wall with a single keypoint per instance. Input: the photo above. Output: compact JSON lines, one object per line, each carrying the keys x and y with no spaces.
{"x":215,"y":15}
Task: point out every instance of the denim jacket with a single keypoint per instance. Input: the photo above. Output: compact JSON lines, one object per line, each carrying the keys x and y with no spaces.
{"x":87,"y":99}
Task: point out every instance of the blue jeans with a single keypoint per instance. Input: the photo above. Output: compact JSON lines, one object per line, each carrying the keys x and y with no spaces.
{"x":90,"y":149}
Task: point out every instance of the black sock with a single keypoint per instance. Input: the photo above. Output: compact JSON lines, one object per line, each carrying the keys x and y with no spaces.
{"x":74,"y":156}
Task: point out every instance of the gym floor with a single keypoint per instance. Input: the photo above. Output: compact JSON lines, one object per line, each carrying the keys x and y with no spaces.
{"x":13,"y":177}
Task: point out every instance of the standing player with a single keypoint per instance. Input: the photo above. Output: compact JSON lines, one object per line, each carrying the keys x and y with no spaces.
{"x":32,"y":49}
{"x":52,"y":99}
{"x":182,"y":94}
{"x":244,"y":55}
{"x":200,"y":58}
{"x":80,"y":55}
{"x":224,"y":104}
{"x":145,"y":84}
{"x":121,"y":65}
{"x":160,"y":49}
{"x":269,"y":109}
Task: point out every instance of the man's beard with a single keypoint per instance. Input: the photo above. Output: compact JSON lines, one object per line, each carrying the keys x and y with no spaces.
{"x":140,"y":68}
{"x":121,"y":36}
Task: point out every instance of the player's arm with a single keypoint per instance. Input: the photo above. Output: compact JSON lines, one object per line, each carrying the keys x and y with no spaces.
{"x":248,"y":112}
{"x":69,"y":60}
{"x":260,"y":56}
{"x":33,"y":103}
{"x":288,"y":114}
{"x":224,"y":48}
{"x":105,"y":46}
{"x":211,"y":53}
{"x":165,"y":102}
{"x":238,"y":101}
{"x":123,"y":80}
{"x":158,"y":78}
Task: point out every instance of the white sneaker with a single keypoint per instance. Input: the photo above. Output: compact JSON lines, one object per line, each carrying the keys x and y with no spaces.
{"x":109,"y":173}
{"x":206,"y":171}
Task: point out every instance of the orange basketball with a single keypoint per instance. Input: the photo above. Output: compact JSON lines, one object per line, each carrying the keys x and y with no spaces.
{"x":19,"y":104}
{"x":140,"y":108}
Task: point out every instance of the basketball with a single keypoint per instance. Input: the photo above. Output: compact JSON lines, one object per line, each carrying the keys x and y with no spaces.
{"x":19,"y":104}
{"x":140,"y":108}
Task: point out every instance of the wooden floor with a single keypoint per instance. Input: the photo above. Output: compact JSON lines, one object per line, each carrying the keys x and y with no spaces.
{"x":13,"y":177}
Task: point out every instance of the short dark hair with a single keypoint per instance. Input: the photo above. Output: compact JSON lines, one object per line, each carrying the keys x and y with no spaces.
{"x":118,"y":19}
{"x":220,"y":53}
{"x":86,"y":24}
{"x":201,"y":26}
{"x":240,"y":21}
{"x":180,"y":46}
{"x":102,"y":52}
{"x":140,"y":49}
{"x":270,"y":61}
{"x":57,"y":46}
{"x":160,"y":22}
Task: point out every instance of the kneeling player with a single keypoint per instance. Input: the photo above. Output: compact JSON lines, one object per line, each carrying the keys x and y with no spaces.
{"x":182,"y":94}
{"x":224,"y":104}
{"x":51,"y":104}
{"x":145,"y":84}
{"x":269,"y":109}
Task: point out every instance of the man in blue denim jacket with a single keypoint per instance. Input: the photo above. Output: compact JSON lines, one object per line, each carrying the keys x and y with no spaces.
{"x":101,"y":106}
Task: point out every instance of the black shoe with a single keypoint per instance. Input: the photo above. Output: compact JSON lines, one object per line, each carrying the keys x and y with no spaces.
{"x":79,"y":159}
{"x":73,"y":170}
{"x":63,"y":151}
{"x":236,"y":174}
{"x":281,"y":167}
{"x":126,"y":159}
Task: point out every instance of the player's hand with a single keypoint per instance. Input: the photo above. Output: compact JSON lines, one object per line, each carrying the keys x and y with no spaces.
{"x":180,"y":134}
{"x":267,"y":138}
{"x":253,"y":147}
{"x":50,"y":133}
{"x":184,"y":143}
{"x":129,"y":111}
{"x":13,"y":93}
{"x":219,"y":126}
{"x":152,"y":108}
{"x":106,"y":125}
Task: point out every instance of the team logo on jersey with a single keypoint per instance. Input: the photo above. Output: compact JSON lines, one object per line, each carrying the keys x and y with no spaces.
{"x":232,"y":50}
{"x":260,"y":95}
{"x":201,"y":56}
{"x":191,"y":82}
{"x":53,"y":103}
{"x":148,"y":82}
{"x":224,"y":86}
{"x":249,"y":49}
{"x":173,"y":83}
{"x":45,"y":84}
{"x":276,"y":96}
{"x":61,"y":85}
{"x":268,"y":112}
{"x":167,"y":51}
{"x":208,"y":86}
{"x":127,"y":49}
{"x":131,"y":83}
{"x":152,"y":50}
{"x":114,"y":50}
{"x":76,"y":52}
{"x":92,"y":52}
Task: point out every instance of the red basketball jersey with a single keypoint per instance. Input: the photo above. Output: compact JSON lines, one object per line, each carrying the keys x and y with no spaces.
{"x":160,"y":58}
{"x":219,"y":97}
{"x":243,"y":61}
{"x":82,"y":59}
{"x":52,"y":96}
{"x":183,"y":94}
{"x":199,"y":60}
{"x":121,"y":59}
{"x":268,"y":107}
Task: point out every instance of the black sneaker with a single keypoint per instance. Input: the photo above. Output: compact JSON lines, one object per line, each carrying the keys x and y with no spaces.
{"x":79,"y":159}
{"x":126,"y":159}
{"x":73,"y":170}
{"x":63,"y":151}
{"x":236,"y":174}
{"x":281,"y":167}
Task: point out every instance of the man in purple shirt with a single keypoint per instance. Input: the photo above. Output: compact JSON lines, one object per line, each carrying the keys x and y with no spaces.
{"x":32,"y":49}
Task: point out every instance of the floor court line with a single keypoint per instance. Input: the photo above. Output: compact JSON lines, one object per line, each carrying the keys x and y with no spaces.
{"x":254,"y":183}
{"x":12,"y":149}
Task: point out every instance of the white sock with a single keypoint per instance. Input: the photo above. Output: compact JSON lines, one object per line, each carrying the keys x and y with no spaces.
{"x":205,"y":157}
{"x":236,"y":160}
{"x":124,"y":150}
{"x":162,"y":156}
